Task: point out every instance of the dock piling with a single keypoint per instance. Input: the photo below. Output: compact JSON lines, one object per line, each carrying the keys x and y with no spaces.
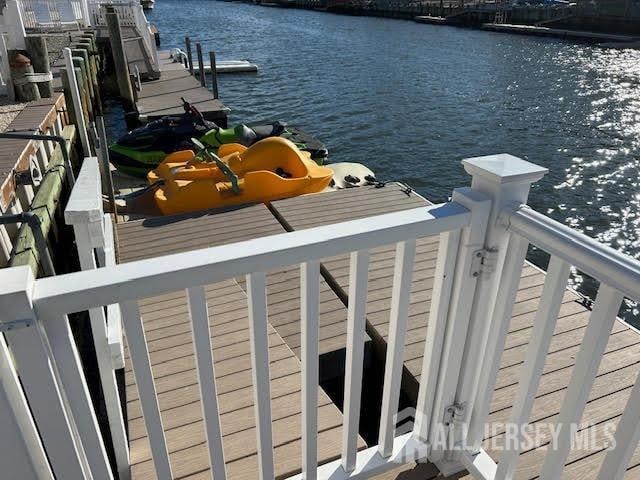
{"x":189,"y":65}
{"x":39,"y":54}
{"x":119,"y":57}
{"x":214,"y":74}
{"x":77,"y":101}
{"x":203,"y":79}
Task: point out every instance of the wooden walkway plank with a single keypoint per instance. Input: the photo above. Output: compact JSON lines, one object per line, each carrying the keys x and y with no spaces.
{"x":162,"y":97}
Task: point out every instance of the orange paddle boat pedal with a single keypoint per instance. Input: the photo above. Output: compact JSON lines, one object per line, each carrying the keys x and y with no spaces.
{"x":271,"y":169}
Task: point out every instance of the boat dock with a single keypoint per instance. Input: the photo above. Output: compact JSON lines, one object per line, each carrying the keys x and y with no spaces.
{"x":161,"y":97}
{"x":558,"y":32}
{"x":168,"y":334}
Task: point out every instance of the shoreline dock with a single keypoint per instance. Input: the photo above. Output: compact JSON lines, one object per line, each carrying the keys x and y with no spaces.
{"x":161,"y":97}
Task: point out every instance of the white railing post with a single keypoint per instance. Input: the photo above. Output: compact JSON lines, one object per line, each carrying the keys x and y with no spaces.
{"x":448,"y":323}
{"x":36,"y":366}
{"x":86,"y":17}
{"x":85,"y":213}
{"x":506,"y":180}
{"x":15,"y":25}
{"x":479,"y":318}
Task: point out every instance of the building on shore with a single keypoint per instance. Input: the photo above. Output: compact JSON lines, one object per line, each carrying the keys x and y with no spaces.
{"x":621,"y":16}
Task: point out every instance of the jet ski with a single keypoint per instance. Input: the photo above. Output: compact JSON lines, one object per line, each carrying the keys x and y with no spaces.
{"x":144,"y":148}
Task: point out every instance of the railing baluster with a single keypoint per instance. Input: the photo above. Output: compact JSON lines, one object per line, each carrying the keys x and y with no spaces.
{"x":588,"y":360}
{"x":309,"y":330}
{"x":402,"y":275}
{"x":543,"y":328}
{"x":614,"y":466}
{"x":257,"y":302}
{"x":356,"y":315}
{"x":141,"y":364}
{"x":199,"y":314}
{"x":438,"y":312}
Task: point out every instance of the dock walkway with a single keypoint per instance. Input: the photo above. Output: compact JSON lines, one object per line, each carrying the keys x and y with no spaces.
{"x":169,"y":337}
{"x":162,"y":97}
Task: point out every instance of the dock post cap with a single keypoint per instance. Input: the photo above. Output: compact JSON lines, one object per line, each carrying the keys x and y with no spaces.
{"x":504,"y":168}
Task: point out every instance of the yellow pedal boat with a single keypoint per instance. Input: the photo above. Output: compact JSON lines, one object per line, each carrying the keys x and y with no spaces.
{"x":271,"y":169}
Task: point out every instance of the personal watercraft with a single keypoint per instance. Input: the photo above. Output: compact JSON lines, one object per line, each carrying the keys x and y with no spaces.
{"x":144,"y":148}
{"x":271,"y":169}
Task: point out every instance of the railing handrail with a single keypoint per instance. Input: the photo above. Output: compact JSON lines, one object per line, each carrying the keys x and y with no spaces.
{"x":598,"y":260}
{"x":144,"y":278}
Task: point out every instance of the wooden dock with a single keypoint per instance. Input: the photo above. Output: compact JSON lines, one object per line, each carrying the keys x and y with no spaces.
{"x":557,"y":32}
{"x":169,"y":337}
{"x":37,"y":116}
{"x":163,"y":96}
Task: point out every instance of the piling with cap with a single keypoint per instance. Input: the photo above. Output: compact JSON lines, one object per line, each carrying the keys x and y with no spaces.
{"x":21,"y":73}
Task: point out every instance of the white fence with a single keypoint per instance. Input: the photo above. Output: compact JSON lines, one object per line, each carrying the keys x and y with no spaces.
{"x":130,"y":14}
{"x":12,"y":35}
{"x":484,"y":233}
{"x":45,"y":15}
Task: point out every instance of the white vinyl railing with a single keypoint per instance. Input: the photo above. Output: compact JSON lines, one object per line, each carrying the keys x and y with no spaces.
{"x":483,"y":243}
{"x":619,"y":277}
{"x":54,"y":14}
{"x":130,"y":14}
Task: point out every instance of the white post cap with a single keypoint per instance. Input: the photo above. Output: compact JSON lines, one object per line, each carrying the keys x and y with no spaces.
{"x":504,"y":168}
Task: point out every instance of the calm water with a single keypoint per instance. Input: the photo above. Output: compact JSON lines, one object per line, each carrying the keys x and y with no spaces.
{"x":412,"y":100}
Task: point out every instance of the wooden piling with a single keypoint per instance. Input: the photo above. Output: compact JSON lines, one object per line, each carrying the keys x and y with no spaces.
{"x":203,"y":79}
{"x":189,"y":55}
{"x":86,"y":45}
{"x":71,"y":112}
{"x":81,"y":89}
{"x":119,"y":57}
{"x":21,"y":69}
{"x":214,"y":74}
{"x":39,"y":54}
{"x":83,"y":83}
{"x":86,"y":69}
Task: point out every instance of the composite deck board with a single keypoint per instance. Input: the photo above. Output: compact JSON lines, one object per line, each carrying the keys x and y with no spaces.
{"x":618,"y":370}
{"x":168,"y":334}
{"x":193,"y":231}
{"x":162,"y":97}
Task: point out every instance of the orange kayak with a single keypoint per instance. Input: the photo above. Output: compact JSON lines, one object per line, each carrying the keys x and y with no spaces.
{"x":271,"y":169}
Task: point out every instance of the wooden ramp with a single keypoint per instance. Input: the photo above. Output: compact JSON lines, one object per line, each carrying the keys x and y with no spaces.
{"x":162,"y":97}
{"x":618,"y":370}
{"x":168,"y":335}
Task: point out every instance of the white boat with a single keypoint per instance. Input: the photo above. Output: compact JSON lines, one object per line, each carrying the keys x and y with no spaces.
{"x":222,"y":66}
